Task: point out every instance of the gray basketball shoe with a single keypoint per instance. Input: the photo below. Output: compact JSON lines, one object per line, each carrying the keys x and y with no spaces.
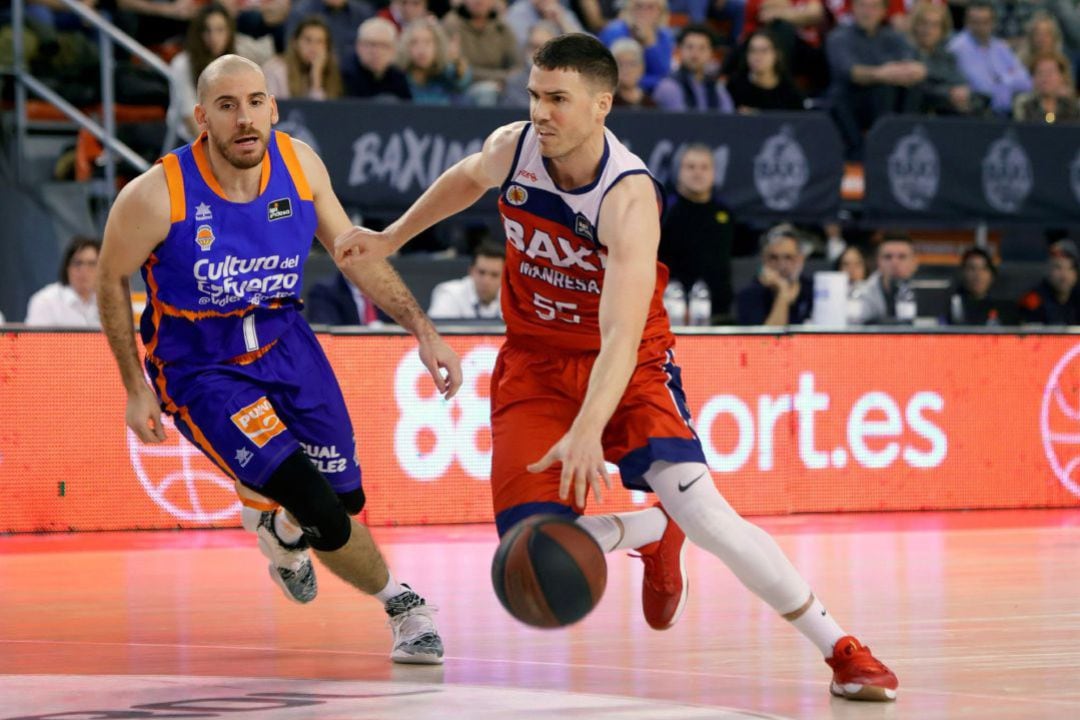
{"x":416,"y":640}
{"x":290,"y":564}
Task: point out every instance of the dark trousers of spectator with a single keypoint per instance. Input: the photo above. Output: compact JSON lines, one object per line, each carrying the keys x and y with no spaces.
{"x":252,"y":24}
{"x":856,"y":108}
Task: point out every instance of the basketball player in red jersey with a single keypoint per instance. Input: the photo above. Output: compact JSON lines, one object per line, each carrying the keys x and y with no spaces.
{"x":587,"y":373}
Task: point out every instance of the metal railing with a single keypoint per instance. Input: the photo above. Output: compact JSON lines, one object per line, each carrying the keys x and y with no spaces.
{"x":105,"y":131}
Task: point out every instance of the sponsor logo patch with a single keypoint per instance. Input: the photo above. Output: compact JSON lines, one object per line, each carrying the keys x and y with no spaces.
{"x":259,"y":421}
{"x":202,"y":212}
{"x":516,"y":195}
{"x":279,"y":209}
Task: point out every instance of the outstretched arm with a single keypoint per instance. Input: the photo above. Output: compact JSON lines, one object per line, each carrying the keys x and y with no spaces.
{"x":138,"y":222}
{"x":456,"y":189}
{"x":378,"y":280}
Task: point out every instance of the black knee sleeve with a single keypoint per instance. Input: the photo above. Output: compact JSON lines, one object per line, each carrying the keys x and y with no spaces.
{"x":302,"y":490}
{"x":353,"y":500}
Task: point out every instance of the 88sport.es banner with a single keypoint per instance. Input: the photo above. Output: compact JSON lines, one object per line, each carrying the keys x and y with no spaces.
{"x":790,"y":424}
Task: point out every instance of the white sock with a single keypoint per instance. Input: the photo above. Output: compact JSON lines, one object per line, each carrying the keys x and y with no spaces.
{"x":691,"y":499}
{"x":819,"y":627}
{"x":625,"y":530}
{"x":392,"y":589}
{"x":286,"y":530}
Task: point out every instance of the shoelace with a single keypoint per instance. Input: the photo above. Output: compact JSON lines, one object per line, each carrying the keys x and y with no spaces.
{"x":421,"y":614}
{"x":667,"y":584}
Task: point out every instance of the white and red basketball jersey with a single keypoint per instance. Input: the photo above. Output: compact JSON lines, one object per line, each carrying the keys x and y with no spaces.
{"x":554,"y":260}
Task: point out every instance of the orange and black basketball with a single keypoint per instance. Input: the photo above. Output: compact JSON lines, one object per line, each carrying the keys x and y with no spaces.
{"x":548,"y":571}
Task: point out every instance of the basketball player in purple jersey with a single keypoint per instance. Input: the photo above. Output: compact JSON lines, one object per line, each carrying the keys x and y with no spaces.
{"x":221,"y":229}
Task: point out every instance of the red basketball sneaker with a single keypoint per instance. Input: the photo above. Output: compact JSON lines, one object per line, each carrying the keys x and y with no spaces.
{"x":858,"y":675}
{"x":665,"y":585}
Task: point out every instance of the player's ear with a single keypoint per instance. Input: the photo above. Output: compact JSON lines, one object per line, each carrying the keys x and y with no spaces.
{"x":273,"y":110}
{"x":200,"y":117}
{"x":603,"y":103}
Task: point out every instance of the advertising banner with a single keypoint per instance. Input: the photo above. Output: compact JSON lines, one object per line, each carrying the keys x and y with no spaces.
{"x":790,"y":424}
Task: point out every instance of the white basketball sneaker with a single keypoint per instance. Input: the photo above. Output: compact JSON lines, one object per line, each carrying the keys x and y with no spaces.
{"x":416,"y":640}
{"x":290,"y":564}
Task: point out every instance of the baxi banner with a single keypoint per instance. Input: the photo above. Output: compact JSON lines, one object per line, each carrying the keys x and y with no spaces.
{"x":770,"y":166}
{"x":790,"y":424}
{"x":965,"y":171}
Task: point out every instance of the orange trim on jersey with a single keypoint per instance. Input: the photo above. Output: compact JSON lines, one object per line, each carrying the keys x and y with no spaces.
{"x":204,"y":444}
{"x":288,"y":154}
{"x":174,"y":178}
{"x":198,"y":151}
{"x":250,"y":498}
{"x":248,"y":358}
{"x":155,"y":303}
{"x":193,"y":315}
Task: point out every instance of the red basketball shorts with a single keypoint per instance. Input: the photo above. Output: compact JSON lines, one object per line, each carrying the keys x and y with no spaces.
{"x":534,"y":400}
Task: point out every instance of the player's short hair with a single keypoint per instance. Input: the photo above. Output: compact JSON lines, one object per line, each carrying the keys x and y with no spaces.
{"x":582,"y":53}
{"x":489,"y":249}
{"x":77,"y":244}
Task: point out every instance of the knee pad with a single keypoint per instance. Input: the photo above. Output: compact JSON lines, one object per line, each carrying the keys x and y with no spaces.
{"x":353,"y":500}
{"x":302,"y":490}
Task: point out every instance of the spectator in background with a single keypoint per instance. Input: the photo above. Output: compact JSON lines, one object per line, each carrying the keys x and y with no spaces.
{"x":945,"y":90}
{"x":970,"y":303}
{"x":309,"y":67}
{"x":72,"y":300}
{"x":211,"y":34}
{"x":336,"y":301}
{"x":853,"y":263}
{"x":515,"y":91}
{"x":523,"y":14}
{"x":596,"y":14}
{"x":437,"y":73}
{"x":693,"y":85}
{"x":488,"y":44}
{"x":370,"y":73}
{"x":343,"y":17}
{"x":1053,"y":98}
{"x":153,"y":22}
{"x":647,"y":22}
{"x":405,"y":12}
{"x":1055,"y":300}
{"x":475,"y":296}
{"x":989,"y":65}
{"x":874,"y":71}
{"x":262,"y":18}
{"x":761,"y":80}
{"x":887,"y":295}
{"x":781,"y":294}
{"x":631,"y":61}
{"x":696,"y":233}
{"x":797,"y":27}
{"x":1042,"y":37}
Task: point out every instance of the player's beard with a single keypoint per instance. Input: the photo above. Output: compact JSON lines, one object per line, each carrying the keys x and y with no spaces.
{"x":242,"y":162}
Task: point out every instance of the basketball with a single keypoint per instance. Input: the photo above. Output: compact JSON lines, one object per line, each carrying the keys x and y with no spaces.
{"x":548,"y":571}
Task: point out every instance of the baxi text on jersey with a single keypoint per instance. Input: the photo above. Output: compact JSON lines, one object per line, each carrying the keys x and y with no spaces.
{"x":559,"y":251}
{"x":559,"y":279}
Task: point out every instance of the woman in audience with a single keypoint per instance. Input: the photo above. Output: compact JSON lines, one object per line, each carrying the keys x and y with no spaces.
{"x":631,"y":61}
{"x":761,"y":81}
{"x":1052,"y":100}
{"x":211,"y":34}
{"x":852,"y":262}
{"x":309,"y":67}
{"x":945,"y":90}
{"x":970,"y":303}
{"x":647,"y":22}
{"x":437,"y":72}
{"x":1042,"y":37}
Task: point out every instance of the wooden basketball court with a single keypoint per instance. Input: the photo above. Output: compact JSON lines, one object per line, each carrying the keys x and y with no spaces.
{"x":978,"y":614}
